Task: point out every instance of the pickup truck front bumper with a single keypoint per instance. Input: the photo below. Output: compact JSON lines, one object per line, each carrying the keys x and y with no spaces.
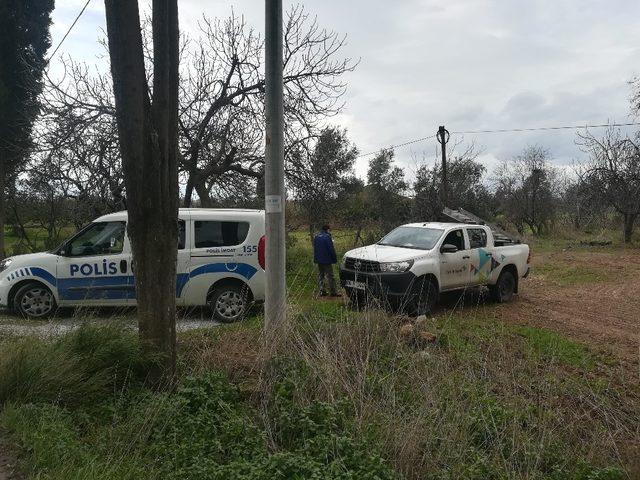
{"x":393,"y":289}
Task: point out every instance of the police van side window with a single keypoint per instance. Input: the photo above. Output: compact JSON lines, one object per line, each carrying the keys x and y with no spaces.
{"x":103,"y":238}
{"x":219,"y":234}
{"x":182,"y":229}
{"x":477,"y":237}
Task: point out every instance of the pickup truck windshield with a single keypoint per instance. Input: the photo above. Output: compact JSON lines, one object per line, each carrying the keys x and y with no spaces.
{"x":412,"y":237}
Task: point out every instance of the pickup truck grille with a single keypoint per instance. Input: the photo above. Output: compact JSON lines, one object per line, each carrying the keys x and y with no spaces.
{"x":361,"y":265}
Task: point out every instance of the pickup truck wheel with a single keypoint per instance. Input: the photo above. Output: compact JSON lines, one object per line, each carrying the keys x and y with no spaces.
{"x":504,"y":288}
{"x":34,"y":300}
{"x":425,"y":298}
{"x":357,"y":300}
{"x":229,"y":303}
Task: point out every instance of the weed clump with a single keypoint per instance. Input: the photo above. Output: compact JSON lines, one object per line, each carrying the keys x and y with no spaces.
{"x":81,"y":367}
{"x":85,"y":414}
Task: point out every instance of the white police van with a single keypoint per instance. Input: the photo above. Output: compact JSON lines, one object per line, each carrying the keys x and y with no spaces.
{"x":220,"y":264}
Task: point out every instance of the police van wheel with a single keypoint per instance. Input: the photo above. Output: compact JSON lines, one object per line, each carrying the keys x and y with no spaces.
{"x":34,"y":300}
{"x":229,"y":303}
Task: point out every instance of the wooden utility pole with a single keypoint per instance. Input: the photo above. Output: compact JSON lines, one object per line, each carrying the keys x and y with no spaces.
{"x":275,"y":298}
{"x":443,"y":138}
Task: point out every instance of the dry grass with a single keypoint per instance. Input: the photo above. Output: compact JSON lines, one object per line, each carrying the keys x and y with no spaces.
{"x":483,"y":401}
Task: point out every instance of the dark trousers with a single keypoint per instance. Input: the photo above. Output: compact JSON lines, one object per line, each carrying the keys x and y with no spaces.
{"x":325,"y":273}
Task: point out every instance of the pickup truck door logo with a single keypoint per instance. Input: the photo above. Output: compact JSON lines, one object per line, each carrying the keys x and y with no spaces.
{"x":485,"y":257}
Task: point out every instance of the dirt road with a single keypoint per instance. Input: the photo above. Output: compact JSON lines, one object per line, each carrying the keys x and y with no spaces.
{"x":591,"y":296}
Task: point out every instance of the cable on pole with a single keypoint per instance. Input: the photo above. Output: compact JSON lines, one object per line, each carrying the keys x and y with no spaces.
{"x":504,"y":130}
{"x":397,"y":146}
{"x":535,"y":129}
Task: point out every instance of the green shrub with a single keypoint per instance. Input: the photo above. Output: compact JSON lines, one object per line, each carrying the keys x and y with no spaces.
{"x":211,"y":434}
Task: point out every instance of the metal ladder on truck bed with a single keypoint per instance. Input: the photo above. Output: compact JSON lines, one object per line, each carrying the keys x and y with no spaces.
{"x":500,"y":237}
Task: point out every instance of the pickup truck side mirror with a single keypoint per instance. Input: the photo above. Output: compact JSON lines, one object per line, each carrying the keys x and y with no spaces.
{"x":448,"y":248}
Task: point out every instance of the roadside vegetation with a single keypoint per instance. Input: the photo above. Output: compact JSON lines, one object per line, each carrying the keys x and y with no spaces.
{"x":342,"y":395}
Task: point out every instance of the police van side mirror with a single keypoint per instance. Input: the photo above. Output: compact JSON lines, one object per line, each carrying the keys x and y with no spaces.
{"x":448,"y":248}
{"x":63,"y":251}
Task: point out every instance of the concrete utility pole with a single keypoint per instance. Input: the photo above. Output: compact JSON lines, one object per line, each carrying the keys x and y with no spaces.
{"x":443,"y":138}
{"x":275,"y":299}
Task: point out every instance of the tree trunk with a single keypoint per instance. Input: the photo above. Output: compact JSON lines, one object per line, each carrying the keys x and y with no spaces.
{"x":629,"y":221}
{"x":358,"y":237}
{"x":148,"y":143}
{"x":203,"y":195}
{"x":188,"y":194}
{"x":3,"y":204}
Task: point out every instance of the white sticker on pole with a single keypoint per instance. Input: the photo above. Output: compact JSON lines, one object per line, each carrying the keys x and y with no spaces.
{"x":273,"y":203}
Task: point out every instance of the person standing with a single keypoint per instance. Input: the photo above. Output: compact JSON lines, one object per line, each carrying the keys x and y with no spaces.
{"x":324,"y":255}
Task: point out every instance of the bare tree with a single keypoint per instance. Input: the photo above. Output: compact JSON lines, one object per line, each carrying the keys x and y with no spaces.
{"x":527,"y":190}
{"x":613,"y":173}
{"x":222,"y":92}
{"x":582,"y":204}
{"x":221,"y":112}
{"x":147,"y":119}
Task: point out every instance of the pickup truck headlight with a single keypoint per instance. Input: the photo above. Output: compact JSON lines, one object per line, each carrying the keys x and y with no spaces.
{"x":4,"y":264}
{"x":343,"y":261}
{"x":396,"y":267}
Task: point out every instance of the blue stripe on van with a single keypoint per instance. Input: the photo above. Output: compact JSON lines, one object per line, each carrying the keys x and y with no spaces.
{"x":42,"y":273}
{"x":119,"y":287}
{"x":243,"y":269}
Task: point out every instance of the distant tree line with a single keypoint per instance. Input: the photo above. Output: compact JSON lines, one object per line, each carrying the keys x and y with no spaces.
{"x":526,"y":194}
{"x":63,"y":167}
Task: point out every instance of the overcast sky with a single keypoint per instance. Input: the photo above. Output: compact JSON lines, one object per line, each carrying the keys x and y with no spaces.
{"x":466,"y":64}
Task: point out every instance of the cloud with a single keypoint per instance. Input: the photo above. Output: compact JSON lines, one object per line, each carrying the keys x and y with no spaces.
{"x":466,"y":64}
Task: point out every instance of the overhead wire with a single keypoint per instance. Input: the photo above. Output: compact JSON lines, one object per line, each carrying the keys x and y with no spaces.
{"x":535,"y":129}
{"x":55,"y":50}
{"x":503,"y":130}
{"x":397,"y":146}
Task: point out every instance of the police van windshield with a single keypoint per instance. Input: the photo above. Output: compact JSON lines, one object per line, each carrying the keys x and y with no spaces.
{"x":99,"y":238}
{"x":412,"y":237}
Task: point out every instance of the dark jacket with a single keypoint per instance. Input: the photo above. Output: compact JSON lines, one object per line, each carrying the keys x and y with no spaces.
{"x":324,"y":252}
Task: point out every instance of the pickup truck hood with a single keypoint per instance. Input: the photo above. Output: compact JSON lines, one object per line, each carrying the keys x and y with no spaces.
{"x":385,"y":253}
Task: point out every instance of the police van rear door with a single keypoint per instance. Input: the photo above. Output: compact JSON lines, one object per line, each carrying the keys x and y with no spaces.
{"x":215,"y":243}
{"x":94,"y":267}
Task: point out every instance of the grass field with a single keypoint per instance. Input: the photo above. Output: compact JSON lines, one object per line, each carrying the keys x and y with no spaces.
{"x":342,"y":394}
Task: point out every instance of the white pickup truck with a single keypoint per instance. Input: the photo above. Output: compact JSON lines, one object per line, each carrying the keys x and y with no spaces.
{"x":411,"y":265}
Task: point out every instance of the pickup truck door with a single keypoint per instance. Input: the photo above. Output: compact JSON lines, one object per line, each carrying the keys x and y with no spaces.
{"x":482,"y":262}
{"x":454,"y":267}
